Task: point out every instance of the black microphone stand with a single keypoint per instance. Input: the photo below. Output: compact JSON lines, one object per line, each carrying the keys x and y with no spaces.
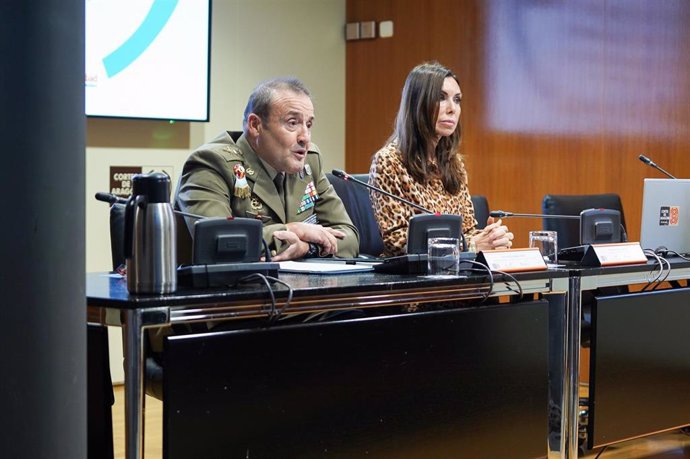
{"x":414,"y":262}
{"x":113,"y":199}
{"x":503,"y":214}
{"x":347,"y":177}
{"x":586,"y":217}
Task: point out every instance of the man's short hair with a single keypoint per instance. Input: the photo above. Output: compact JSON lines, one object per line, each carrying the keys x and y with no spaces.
{"x":261,"y":98}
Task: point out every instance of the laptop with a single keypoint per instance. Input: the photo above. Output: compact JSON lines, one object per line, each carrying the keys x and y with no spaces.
{"x":666,"y":215}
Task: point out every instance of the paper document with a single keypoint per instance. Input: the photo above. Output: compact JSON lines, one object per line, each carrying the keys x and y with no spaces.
{"x":323,"y":268}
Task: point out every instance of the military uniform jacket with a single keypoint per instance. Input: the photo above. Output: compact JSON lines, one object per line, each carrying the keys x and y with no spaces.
{"x":212,"y":184}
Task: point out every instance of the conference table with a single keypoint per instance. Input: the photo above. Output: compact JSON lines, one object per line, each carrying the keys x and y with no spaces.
{"x":536,"y":320}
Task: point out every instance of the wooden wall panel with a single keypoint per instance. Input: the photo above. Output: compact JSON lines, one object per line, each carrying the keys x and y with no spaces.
{"x":559,"y":97}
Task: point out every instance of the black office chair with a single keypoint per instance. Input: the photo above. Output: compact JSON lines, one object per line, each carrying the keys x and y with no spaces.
{"x":117,"y":235}
{"x":569,"y":229}
{"x":569,"y":236}
{"x":481,"y":209}
{"x":358,"y":206}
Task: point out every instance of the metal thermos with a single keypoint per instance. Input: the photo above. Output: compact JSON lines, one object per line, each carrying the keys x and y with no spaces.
{"x":150,"y":237}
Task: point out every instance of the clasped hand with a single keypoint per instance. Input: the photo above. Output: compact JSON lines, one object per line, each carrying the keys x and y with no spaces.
{"x":298,"y":236}
{"x":494,"y":236}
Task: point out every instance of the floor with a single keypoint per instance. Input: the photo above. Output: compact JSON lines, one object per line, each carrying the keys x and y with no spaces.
{"x":669,"y":445}
{"x":153,"y":427}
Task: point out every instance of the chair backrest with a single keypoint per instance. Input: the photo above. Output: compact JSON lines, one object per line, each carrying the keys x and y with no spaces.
{"x":358,"y":206}
{"x":117,"y":234}
{"x":569,"y":229}
{"x":481,"y":209}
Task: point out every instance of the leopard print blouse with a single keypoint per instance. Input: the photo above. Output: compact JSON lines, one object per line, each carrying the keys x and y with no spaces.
{"x":388,"y":172}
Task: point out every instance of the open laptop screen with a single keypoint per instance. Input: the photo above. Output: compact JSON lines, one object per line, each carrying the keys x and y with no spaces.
{"x":666,"y":215}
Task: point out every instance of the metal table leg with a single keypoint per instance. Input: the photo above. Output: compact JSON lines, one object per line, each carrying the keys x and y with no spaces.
{"x":558,"y":304}
{"x":134,"y":384}
{"x":571,"y":371}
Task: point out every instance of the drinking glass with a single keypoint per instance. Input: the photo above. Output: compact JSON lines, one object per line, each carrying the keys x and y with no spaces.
{"x":547,"y":243}
{"x":443,"y":256}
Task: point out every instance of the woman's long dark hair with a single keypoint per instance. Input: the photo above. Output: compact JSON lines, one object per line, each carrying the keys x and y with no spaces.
{"x":415,"y":128}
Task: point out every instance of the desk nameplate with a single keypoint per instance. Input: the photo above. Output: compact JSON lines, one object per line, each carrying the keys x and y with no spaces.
{"x":626,"y":253}
{"x":514,"y":260}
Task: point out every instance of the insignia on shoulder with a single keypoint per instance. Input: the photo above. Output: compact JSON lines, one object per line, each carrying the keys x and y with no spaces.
{"x":241,"y":186}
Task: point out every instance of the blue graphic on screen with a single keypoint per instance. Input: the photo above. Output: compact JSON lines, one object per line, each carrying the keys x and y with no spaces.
{"x":130,"y":50}
{"x":147,"y":59}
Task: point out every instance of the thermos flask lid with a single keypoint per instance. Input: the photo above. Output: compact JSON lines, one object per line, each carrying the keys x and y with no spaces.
{"x":155,"y":186}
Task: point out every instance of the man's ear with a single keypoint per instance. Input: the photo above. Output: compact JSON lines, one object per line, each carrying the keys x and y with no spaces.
{"x":254,"y":125}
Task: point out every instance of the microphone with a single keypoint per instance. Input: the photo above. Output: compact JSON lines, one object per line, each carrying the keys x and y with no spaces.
{"x":110,"y":198}
{"x":596,"y":225}
{"x":348,"y":178}
{"x":504,"y":214}
{"x":421,"y":228}
{"x":222,"y":255}
{"x":651,"y":163}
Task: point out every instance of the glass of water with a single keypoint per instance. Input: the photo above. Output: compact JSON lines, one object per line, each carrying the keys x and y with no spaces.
{"x":547,"y":243}
{"x":443,"y":256}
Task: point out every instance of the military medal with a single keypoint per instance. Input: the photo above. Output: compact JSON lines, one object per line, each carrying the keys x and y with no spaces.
{"x":241,"y":186}
{"x":309,"y":198}
{"x":256,"y":204}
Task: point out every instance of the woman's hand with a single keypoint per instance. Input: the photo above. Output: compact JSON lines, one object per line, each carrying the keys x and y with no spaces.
{"x":494,"y":236}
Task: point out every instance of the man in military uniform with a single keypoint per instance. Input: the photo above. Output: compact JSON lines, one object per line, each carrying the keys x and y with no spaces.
{"x":272,"y":172}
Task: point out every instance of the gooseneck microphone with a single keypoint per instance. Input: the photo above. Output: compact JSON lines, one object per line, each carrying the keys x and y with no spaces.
{"x":348,"y":178}
{"x":113,"y":199}
{"x":504,"y":214}
{"x":651,"y":163}
{"x":596,"y":225}
{"x":110,"y":198}
{"x":421,"y":227}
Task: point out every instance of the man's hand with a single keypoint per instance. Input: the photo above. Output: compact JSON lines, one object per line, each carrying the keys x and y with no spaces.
{"x":326,"y":238}
{"x":296,"y":247}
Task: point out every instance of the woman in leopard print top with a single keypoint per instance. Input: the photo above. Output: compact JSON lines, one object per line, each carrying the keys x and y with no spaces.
{"x":421,"y":163}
